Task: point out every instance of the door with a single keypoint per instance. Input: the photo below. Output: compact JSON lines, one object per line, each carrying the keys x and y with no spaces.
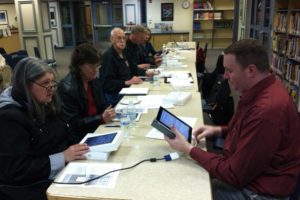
{"x":67,"y":23}
{"x":74,"y":23}
{"x":106,"y":14}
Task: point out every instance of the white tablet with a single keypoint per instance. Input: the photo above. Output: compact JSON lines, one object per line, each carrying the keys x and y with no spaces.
{"x":103,"y":142}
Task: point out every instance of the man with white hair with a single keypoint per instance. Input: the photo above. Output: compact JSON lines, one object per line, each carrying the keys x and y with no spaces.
{"x":116,"y":72}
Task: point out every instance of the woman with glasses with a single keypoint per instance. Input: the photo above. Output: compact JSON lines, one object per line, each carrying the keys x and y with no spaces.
{"x":33,"y":136}
{"x":84,"y":105}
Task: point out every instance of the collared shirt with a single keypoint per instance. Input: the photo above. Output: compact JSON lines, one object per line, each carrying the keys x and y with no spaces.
{"x":261,"y":149}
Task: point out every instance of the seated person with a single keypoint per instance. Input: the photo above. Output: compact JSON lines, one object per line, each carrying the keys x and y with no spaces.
{"x":116,"y":72}
{"x":5,"y":74}
{"x":261,"y":154}
{"x":33,"y":136}
{"x":84,"y":104}
{"x":133,"y":50}
{"x":151,"y":56}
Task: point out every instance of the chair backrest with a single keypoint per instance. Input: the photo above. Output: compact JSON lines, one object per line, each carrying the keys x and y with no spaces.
{"x":296,"y":194}
{"x":205,"y":49}
{"x":2,"y":50}
{"x":37,"y":52}
{"x":8,"y":59}
{"x":219,"y":66}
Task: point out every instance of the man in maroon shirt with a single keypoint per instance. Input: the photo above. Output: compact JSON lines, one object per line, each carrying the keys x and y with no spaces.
{"x":261,"y":155}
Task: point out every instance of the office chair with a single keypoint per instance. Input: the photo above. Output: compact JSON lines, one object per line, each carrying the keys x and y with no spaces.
{"x":2,"y":51}
{"x":200,"y":58}
{"x":50,"y":62}
{"x":17,"y":56}
{"x":296,"y":194}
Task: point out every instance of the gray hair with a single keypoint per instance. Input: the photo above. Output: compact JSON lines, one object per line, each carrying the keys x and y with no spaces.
{"x":115,"y":30}
{"x":27,"y":71}
{"x":137,"y":29}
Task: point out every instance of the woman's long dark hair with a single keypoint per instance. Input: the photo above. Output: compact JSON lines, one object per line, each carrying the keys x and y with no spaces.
{"x":27,"y":71}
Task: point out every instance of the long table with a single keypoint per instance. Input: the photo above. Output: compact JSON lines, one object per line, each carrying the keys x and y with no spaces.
{"x":176,"y":180}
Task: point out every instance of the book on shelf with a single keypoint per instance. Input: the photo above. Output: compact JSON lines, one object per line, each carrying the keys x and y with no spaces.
{"x":298,"y":102}
{"x":298,"y":24}
{"x":218,"y":15}
{"x":202,"y":5}
{"x":281,"y":22}
{"x":280,"y":43}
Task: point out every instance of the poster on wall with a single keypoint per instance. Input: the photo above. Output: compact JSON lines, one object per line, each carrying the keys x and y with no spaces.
{"x":3,"y":17}
{"x":167,"y":10}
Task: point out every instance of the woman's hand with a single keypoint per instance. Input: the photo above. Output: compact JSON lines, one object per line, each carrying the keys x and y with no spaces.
{"x":108,"y":114}
{"x":207,"y":131}
{"x":76,"y":152}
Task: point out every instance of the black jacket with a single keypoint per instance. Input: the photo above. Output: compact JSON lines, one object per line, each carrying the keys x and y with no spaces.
{"x":135,"y":56}
{"x":75,"y":105}
{"x":115,"y":71}
{"x":25,"y":147}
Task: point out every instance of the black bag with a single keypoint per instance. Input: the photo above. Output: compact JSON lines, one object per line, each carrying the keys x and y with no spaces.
{"x":219,"y":104}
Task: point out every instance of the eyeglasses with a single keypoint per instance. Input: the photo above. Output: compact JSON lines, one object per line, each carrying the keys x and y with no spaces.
{"x":47,"y":85}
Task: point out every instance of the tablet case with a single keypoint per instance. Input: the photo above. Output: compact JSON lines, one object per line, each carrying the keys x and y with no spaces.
{"x":162,"y":128}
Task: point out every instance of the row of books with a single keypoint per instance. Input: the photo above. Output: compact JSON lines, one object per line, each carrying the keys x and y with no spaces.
{"x":223,"y":24}
{"x":200,"y":4}
{"x":293,"y":22}
{"x":293,"y":73}
{"x":281,"y":22}
{"x":278,"y":63}
{"x":294,"y":93}
{"x":289,"y":73}
{"x":293,"y":50}
{"x":287,"y":69}
{"x":279,"y":43}
{"x":208,"y":15}
{"x":287,"y":45}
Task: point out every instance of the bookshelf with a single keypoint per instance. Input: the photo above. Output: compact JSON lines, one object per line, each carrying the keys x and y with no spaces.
{"x":286,"y":46}
{"x":213,"y":22}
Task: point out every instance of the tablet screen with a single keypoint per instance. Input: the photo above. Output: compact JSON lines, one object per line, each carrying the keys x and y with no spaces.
{"x":169,"y":120}
{"x":100,"y":139}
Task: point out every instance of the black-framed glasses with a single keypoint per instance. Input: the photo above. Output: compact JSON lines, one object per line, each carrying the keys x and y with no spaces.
{"x":47,"y":85}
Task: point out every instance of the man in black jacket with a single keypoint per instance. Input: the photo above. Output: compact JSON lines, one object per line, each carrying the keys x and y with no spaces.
{"x":116,"y":71}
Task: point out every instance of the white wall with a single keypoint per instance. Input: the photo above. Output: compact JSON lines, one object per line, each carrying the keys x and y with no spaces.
{"x":11,"y":12}
{"x":183,"y":18}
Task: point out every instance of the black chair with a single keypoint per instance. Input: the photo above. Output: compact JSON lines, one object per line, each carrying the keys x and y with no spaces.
{"x":13,"y":58}
{"x":17,"y":56}
{"x":296,"y":194}
{"x":200,"y":58}
{"x":8,"y":59}
{"x":50,"y":62}
{"x":2,"y":51}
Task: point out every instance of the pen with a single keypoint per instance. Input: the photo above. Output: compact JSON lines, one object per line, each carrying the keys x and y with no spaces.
{"x":112,"y":126}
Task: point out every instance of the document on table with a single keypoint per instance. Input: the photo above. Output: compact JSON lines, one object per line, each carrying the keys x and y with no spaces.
{"x":155,"y":134}
{"x":155,"y":101}
{"x":134,"y":91}
{"x":76,"y":172}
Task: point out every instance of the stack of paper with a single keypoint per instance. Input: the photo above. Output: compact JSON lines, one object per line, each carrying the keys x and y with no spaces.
{"x":134,"y":91}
